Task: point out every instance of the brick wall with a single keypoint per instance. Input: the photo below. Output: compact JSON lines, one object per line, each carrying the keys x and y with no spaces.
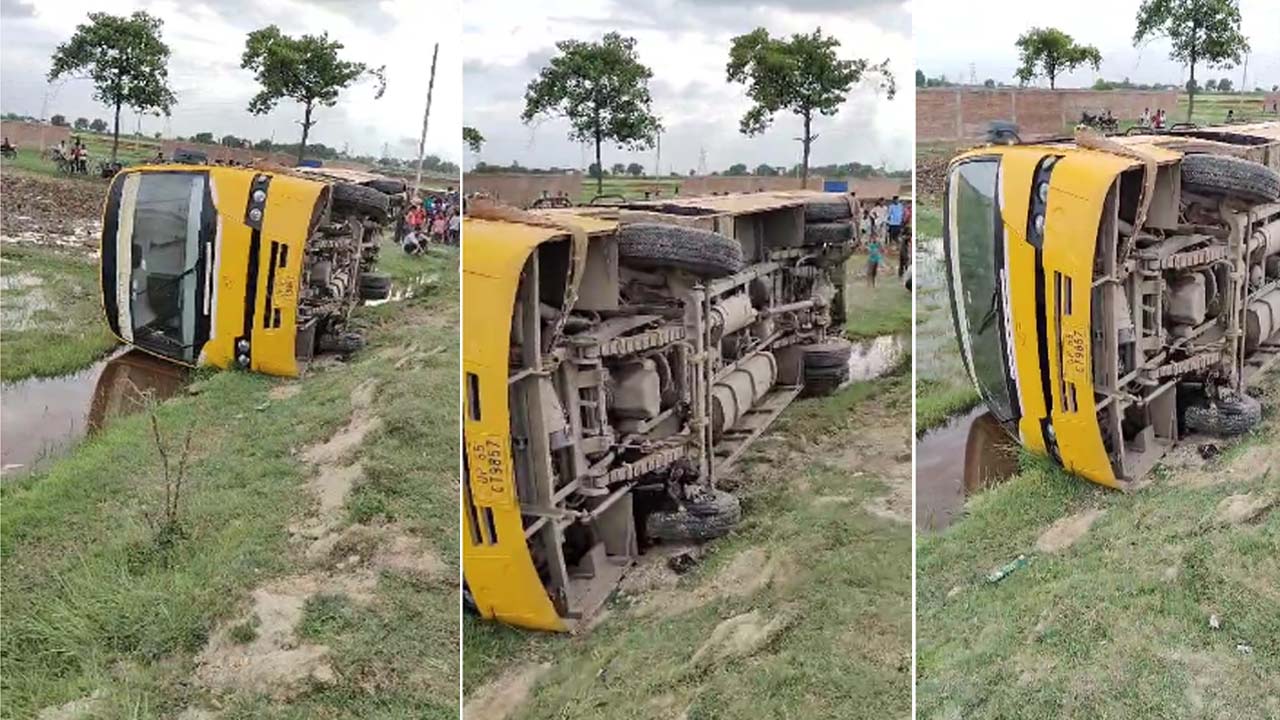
{"x":964,"y":113}
{"x":33,"y":135}
{"x":711,"y":184}
{"x":224,"y":153}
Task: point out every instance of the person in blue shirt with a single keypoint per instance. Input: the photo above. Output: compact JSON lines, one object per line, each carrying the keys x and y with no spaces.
{"x":896,"y":216}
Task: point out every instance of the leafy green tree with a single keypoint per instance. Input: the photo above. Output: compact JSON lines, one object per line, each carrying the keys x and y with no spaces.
{"x":306,"y":69}
{"x":98,"y":125}
{"x":920,"y":78}
{"x":81,"y":123}
{"x":736,"y":169}
{"x":1200,"y":32}
{"x":126,"y":60}
{"x":602,"y":89}
{"x":801,"y":75}
{"x":1210,"y":85}
{"x":1051,"y":52}
{"x":988,"y":83}
{"x":766,"y":170}
{"x":203,"y":137}
{"x":635,"y":169}
{"x":263,"y":145}
{"x":618,"y":169}
{"x":58,"y":120}
{"x":594,"y":170}
{"x":472,"y":138}
{"x":231,"y":141}
{"x":1225,"y":85}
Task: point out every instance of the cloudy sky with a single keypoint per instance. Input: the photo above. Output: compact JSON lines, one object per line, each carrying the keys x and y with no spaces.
{"x":206,"y":40}
{"x":953,"y":36}
{"x":686,"y":44}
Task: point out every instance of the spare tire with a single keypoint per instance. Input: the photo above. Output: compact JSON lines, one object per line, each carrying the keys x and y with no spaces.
{"x":827,"y":211}
{"x":389,"y":186}
{"x":711,"y":516}
{"x":701,"y":252}
{"x":361,"y":200}
{"x":1224,"y":417}
{"x":833,"y":353}
{"x":1231,"y":177}
{"x":825,"y":233}
{"x":375,"y":286}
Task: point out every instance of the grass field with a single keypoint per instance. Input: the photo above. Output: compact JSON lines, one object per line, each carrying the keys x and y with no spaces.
{"x":629,"y":188}
{"x":820,"y":559}
{"x":882,"y":310}
{"x":132,"y":151}
{"x":50,"y":313}
{"x":1158,"y":603}
{"x":102,"y":609}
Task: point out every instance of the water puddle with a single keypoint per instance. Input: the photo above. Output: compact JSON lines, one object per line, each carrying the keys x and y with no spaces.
{"x":990,"y":457}
{"x":45,"y":417}
{"x":872,"y":358}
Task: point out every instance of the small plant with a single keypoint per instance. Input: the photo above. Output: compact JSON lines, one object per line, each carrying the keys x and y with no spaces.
{"x":166,"y":524}
{"x":326,"y":614}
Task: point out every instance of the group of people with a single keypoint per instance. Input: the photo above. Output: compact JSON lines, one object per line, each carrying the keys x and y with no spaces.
{"x":76,"y":156}
{"x":886,"y":223}
{"x":1158,"y":121}
{"x":434,"y":220}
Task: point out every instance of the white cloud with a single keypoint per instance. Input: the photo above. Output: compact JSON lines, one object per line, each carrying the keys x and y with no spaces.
{"x":686,"y":44}
{"x":953,"y":37}
{"x":206,"y":40}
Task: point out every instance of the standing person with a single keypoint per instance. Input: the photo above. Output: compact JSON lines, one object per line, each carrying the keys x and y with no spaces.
{"x":439,"y":226}
{"x":894,"y":216}
{"x":414,"y":220}
{"x":874,"y":259}
{"x":868,"y":227}
{"x":1146,"y":117}
{"x":455,"y":227}
{"x":878,"y":214}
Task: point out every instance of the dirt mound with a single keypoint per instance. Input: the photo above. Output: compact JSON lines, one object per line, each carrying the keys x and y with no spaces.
{"x":51,"y":210}
{"x":497,"y":700}
{"x":742,"y":636}
{"x":1065,"y":532}
{"x":1245,"y":508}
{"x":931,"y":175}
{"x":750,"y":571}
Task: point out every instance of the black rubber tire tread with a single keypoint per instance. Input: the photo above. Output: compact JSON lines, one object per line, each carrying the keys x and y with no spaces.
{"x":362,"y":200}
{"x":833,"y":353}
{"x":1224,"y":418}
{"x":827,"y":233}
{"x":700,"y":252}
{"x":1226,"y":176}
{"x":700,"y":520}
{"x":375,"y":286}
{"x":387,"y":186}
{"x":825,"y":211}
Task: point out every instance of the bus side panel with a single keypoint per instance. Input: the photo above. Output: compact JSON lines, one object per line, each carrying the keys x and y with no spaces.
{"x":1076,"y":197}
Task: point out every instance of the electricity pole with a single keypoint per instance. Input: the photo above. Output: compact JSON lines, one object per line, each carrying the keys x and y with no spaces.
{"x":422,"y":141}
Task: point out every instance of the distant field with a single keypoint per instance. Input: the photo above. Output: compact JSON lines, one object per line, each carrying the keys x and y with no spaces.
{"x":629,"y":188}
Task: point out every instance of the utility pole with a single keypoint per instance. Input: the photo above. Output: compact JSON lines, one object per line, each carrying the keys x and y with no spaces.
{"x":422,"y":141}
{"x":657,"y":163}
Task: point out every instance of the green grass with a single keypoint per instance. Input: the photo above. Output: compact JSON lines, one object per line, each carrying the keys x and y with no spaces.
{"x":629,"y":188}
{"x":928,"y":216}
{"x":937,"y":402}
{"x":847,"y":584}
{"x":32,"y":160}
{"x":50,"y":313}
{"x":882,"y":310}
{"x":90,"y":605}
{"x":1117,"y":625}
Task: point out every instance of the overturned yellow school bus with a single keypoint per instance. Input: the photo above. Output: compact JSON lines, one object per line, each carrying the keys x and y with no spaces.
{"x":229,"y":266}
{"x":617,"y":360}
{"x":1113,"y":295}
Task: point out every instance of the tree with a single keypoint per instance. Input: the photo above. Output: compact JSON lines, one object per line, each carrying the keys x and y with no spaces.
{"x":472,"y":138}
{"x":765,"y":170}
{"x":98,"y":125}
{"x":1210,"y":85}
{"x":602,"y":89}
{"x":82,"y":123}
{"x":618,"y":169}
{"x":306,"y":69}
{"x":920,"y":79}
{"x":263,"y":145}
{"x":801,"y":75}
{"x":594,"y":171}
{"x":59,"y":120}
{"x":125,"y":58}
{"x":231,"y":141}
{"x":988,"y":83}
{"x":1225,"y":85}
{"x":1200,"y":32}
{"x":203,"y":137}
{"x":1051,"y":52}
{"x":635,"y":169}
{"x":736,"y":169}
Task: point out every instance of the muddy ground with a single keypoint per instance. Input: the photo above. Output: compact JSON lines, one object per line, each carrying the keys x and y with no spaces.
{"x":49,"y":210}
